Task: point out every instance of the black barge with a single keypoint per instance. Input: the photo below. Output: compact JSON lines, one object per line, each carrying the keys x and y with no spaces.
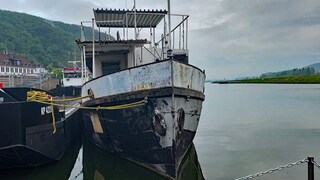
{"x":30,"y":135}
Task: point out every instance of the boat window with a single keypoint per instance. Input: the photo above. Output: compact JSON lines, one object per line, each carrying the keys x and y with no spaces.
{"x":110,"y":67}
{"x":72,"y":75}
{"x":183,"y":58}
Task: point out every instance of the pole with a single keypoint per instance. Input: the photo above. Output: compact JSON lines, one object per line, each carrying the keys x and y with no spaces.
{"x":135,"y":21}
{"x":93,"y":52}
{"x":82,"y":68}
{"x":84,"y":64}
{"x":169,"y":24}
{"x":310,"y":168}
{"x":135,"y":32}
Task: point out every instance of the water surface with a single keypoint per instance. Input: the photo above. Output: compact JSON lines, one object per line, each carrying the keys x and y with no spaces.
{"x":247,"y":128}
{"x":244,"y":129}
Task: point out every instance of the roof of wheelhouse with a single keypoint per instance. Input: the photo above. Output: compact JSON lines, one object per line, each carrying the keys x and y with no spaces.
{"x":125,"y":18}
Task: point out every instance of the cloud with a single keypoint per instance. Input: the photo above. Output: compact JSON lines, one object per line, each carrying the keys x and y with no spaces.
{"x":265,"y":35}
{"x":228,"y":37}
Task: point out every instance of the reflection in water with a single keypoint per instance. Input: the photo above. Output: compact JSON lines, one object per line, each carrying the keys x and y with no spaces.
{"x":59,"y":170}
{"x":100,"y":165}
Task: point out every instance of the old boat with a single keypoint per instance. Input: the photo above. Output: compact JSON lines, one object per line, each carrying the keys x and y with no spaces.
{"x":30,"y":134}
{"x":146,"y":98}
{"x":72,"y":80}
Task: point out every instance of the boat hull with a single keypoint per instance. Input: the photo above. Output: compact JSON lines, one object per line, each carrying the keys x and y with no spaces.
{"x":157,"y":133}
{"x":26,"y":130}
{"x":153,"y":134}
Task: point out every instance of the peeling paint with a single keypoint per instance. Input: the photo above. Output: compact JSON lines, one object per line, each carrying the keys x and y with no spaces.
{"x":181,"y":118}
{"x":159,"y":124}
{"x":146,"y":77}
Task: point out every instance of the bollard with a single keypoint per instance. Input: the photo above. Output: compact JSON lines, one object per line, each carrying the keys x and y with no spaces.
{"x":310,"y":168}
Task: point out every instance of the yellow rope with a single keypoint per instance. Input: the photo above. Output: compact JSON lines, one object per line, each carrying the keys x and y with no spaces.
{"x":53,"y":120}
{"x":39,"y":95}
{"x":116,"y":107}
{"x":42,"y":97}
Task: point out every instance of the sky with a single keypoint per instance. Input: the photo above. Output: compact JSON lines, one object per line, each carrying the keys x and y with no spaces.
{"x":227,"y":38}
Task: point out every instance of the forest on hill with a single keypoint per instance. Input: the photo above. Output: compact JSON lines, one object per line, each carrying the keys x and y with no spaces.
{"x":40,"y":40}
{"x":305,"y":71}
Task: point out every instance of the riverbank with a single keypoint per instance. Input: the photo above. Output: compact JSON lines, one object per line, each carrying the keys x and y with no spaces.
{"x":284,"y":80}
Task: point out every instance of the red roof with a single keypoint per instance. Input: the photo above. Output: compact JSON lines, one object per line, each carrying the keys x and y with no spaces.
{"x":6,"y":58}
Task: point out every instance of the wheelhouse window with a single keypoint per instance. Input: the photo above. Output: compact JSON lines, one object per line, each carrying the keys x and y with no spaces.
{"x":110,"y":67}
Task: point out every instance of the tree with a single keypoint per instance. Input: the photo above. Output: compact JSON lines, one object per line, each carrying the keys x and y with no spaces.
{"x":50,"y":67}
{"x":57,"y":73}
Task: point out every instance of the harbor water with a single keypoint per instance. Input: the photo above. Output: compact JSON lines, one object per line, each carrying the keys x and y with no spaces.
{"x":249,"y":128}
{"x":244,"y":129}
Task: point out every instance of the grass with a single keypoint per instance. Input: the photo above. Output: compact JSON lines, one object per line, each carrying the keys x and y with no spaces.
{"x":285,"y":80}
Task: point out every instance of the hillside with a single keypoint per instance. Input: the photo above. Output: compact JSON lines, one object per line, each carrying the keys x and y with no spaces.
{"x":316,"y":67}
{"x":304,"y":71}
{"x":42,"y":41}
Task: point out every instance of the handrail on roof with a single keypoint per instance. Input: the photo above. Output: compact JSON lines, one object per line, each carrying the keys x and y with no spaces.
{"x":116,"y":18}
{"x":187,"y":16}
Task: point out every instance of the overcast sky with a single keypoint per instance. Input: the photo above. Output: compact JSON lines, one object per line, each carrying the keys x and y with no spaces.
{"x":227,"y":38}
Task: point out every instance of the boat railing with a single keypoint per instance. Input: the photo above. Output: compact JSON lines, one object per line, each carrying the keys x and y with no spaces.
{"x":180,"y":36}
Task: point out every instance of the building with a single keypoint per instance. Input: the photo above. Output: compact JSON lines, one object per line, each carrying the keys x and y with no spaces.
{"x":18,"y":70}
{"x":17,"y":65}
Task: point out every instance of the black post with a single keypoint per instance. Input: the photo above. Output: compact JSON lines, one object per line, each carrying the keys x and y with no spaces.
{"x":310,"y":168}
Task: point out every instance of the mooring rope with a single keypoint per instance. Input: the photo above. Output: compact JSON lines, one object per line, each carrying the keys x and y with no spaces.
{"x":43,"y":98}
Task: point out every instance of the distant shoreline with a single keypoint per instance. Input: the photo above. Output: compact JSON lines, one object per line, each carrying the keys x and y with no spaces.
{"x":283,"y":80}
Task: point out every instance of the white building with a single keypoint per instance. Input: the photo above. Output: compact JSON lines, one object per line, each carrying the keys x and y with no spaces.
{"x":17,"y":65}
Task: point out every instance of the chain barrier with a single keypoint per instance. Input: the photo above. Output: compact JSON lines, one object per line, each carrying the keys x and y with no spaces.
{"x":280,"y":168}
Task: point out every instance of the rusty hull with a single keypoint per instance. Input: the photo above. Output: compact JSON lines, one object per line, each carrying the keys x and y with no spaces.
{"x":156,"y":134}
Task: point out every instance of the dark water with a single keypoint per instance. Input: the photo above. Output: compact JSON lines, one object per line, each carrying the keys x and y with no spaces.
{"x":244,"y":129}
{"x":83,"y":160}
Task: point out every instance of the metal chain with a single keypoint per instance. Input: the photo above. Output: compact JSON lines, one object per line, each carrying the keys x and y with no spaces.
{"x":316,"y":164}
{"x":270,"y":171}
